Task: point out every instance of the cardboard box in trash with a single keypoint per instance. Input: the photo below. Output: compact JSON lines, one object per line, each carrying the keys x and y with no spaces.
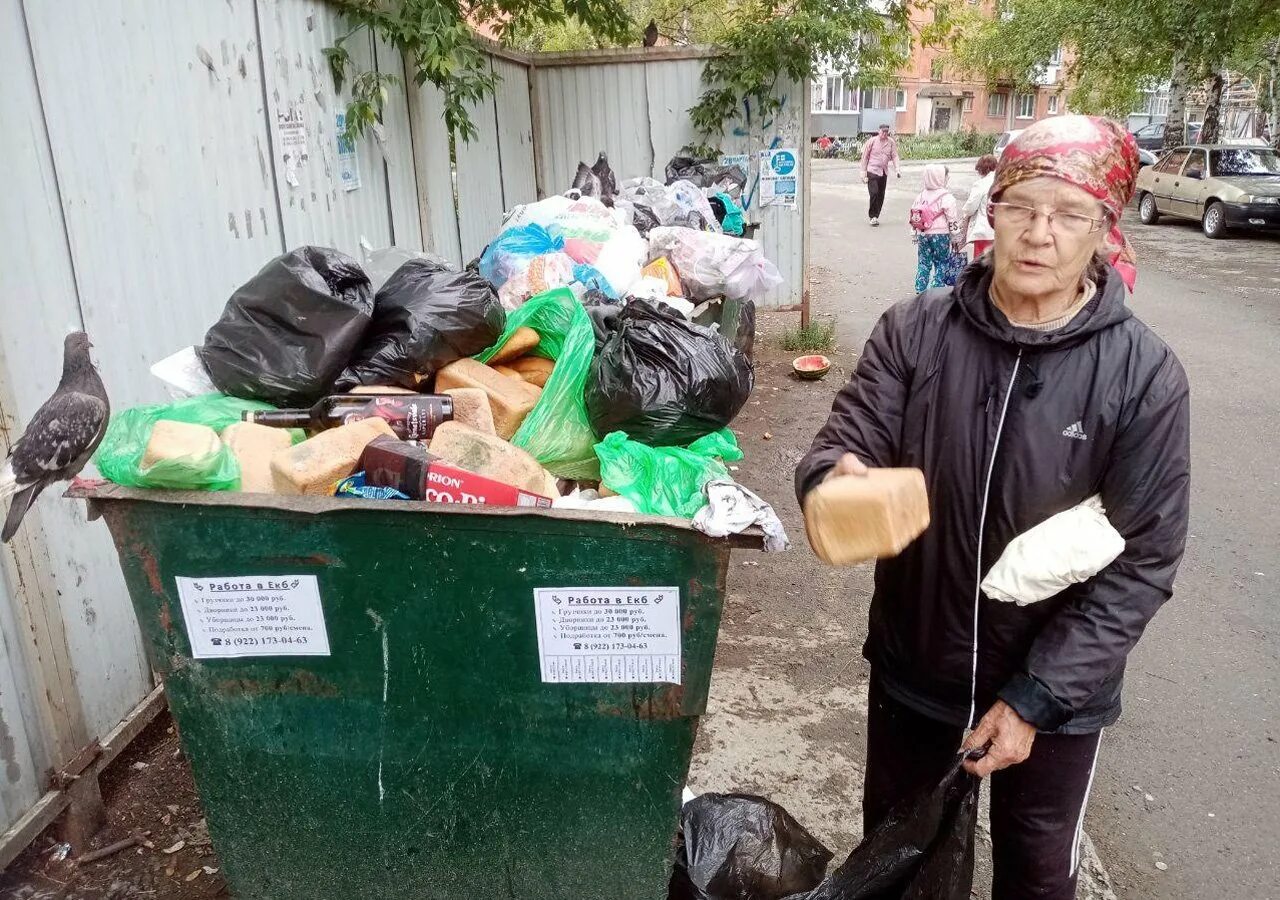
{"x":411,"y":469}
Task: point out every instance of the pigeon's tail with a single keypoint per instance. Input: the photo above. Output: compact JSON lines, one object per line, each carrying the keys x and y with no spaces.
{"x":18,"y":508}
{"x":8,"y":480}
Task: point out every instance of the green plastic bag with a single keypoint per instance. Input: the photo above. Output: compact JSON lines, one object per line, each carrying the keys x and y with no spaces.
{"x":119,"y":456}
{"x":557,"y":431}
{"x":665,"y":481}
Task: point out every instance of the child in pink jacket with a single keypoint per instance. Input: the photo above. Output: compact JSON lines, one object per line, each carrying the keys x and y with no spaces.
{"x":935,"y":224}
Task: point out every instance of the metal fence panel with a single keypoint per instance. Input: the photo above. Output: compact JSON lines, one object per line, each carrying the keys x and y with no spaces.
{"x":515,"y":132}
{"x":479,"y":167}
{"x":318,"y":205}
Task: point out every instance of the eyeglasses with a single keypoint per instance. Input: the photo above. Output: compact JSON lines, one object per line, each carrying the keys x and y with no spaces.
{"x":1060,"y":222}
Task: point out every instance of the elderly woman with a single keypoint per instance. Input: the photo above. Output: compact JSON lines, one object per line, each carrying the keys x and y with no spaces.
{"x":1024,"y":390}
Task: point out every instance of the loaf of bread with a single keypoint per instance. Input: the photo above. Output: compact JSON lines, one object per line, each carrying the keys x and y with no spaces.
{"x":179,"y":440}
{"x":522,"y":340}
{"x":471,"y":407}
{"x":854,"y":518}
{"x":533,"y":369}
{"x":253,"y":446}
{"x":510,"y":399}
{"x":315,"y":466}
{"x":489,"y":456}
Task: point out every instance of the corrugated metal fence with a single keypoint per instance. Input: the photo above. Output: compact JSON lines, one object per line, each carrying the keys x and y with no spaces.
{"x":158,"y":155}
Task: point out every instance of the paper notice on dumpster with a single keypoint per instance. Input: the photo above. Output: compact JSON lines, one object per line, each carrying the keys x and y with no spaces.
{"x":254,"y":615}
{"x":614,"y":635}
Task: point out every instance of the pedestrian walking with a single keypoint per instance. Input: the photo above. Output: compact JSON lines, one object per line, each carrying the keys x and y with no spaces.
{"x":978,"y":232}
{"x":1021,"y":392}
{"x":879,"y":156}
{"x":935,"y":227}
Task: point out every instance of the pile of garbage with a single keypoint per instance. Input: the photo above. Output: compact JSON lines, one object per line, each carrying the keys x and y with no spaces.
{"x":563,"y":368}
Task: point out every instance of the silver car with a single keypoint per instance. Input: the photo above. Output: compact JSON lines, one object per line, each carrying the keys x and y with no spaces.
{"x":1222,"y":186}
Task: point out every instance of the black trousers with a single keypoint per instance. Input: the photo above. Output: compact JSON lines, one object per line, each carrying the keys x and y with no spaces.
{"x":875,"y":186}
{"x":1037,"y":806}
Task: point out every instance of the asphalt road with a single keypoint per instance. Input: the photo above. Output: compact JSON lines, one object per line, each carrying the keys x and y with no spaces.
{"x":1190,"y":777}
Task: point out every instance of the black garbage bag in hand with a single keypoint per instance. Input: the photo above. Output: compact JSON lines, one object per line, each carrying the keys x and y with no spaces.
{"x":663,"y":380}
{"x":922,"y":851}
{"x":289,"y":331}
{"x":425,"y":317}
{"x":742,"y":847}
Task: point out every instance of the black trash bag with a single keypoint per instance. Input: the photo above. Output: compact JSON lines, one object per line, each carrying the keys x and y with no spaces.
{"x":596,"y":180}
{"x":643,"y":218}
{"x":922,"y":851}
{"x":289,"y":331}
{"x":663,"y":380}
{"x":704,"y":173}
{"x":741,"y":847}
{"x":425,"y":317}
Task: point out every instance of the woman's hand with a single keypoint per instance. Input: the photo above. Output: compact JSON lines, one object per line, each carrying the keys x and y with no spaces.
{"x":847,"y":465}
{"x":1010,"y":739}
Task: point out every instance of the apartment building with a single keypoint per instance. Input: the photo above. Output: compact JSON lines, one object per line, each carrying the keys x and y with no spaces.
{"x":930,"y":97}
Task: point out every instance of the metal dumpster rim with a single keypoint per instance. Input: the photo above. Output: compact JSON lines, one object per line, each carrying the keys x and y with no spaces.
{"x":96,"y":492}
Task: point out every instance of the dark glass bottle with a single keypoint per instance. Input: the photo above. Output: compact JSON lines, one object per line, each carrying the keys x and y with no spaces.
{"x":413,"y":417}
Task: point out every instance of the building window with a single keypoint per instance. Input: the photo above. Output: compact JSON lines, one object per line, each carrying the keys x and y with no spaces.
{"x":1157,"y":103}
{"x":968,"y":101}
{"x":835,"y":96}
{"x":884,"y":98}
{"x":1026,"y":106}
{"x":1053,"y":104}
{"x":998,"y":106}
{"x":1056,"y":59}
{"x":937,"y":69}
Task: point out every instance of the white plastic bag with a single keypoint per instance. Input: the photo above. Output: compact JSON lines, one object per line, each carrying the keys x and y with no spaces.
{"x":1063,"y":550}
{"x":184,"y":375}
{"x":753,"y":279}
{"x":707,"y":262}
{"x":543,"y":213}
{"x":621,"y":258}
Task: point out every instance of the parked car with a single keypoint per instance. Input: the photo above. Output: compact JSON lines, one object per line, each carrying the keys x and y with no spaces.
{"x":1151,"y":137}
{"x":1146,"y":158}
{"x":1223,"y":186}
{"x":1006,"y":138}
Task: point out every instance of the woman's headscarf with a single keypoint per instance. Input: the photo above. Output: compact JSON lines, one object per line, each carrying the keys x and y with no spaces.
{"x":1092,"y":153}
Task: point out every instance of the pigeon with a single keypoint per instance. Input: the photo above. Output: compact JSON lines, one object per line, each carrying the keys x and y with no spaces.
{"x":651,"y":33}
{"x":61,"y":436}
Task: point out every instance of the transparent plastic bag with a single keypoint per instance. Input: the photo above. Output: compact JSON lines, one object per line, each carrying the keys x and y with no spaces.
{"x":557,"y":431}
{"x":119,"y":456}
{"x":665,"y":481}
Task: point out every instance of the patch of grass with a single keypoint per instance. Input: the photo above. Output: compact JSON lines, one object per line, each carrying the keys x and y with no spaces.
{"x":817,"y":337}
{"x":947,"y":144}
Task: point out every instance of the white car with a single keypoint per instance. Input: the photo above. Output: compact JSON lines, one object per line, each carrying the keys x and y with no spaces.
{"x":1006,"y":138}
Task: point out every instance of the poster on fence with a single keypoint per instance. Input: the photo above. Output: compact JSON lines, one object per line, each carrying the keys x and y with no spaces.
{"x":779,"y":177}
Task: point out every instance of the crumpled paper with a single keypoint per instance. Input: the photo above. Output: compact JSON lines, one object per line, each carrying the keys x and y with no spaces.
{"x":732,"y":509}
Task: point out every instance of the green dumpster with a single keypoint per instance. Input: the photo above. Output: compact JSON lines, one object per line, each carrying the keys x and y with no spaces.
{"x":397,"y":700}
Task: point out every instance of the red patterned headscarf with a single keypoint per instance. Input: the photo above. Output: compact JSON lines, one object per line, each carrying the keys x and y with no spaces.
{"x":1094,"y":154}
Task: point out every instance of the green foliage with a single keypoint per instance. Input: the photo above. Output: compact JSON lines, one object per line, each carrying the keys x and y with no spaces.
{"x":947,"y":144}
{"x":440,"y":48}
{"x":816,"y":337}
{"x":1117,"y":47}
{"x":763,"y":43}
{"x":679,"y":21}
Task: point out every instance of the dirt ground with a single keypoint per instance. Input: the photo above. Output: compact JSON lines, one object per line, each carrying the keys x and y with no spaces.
{"x":148,"y":790}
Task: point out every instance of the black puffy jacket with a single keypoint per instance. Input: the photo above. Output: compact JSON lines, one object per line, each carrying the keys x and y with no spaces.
{"x":1012,"y":426}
